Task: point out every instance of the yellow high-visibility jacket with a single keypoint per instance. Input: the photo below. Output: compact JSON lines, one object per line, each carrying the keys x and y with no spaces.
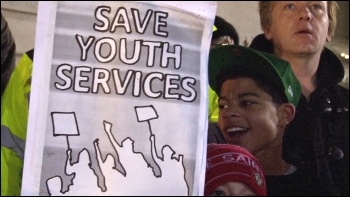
{"x":213,"y":112}
{"x":14,"y":118}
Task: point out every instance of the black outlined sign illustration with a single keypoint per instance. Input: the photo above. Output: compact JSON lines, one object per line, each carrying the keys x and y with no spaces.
{"x":172,"y":170}
{"x":119,"y":99}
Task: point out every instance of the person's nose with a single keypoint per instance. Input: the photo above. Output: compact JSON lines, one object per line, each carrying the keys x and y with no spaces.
{"x":305,"y":13}
{"x":229,"y":111}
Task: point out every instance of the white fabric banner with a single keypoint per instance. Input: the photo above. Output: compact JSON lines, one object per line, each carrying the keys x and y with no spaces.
{"x":118,"y":103}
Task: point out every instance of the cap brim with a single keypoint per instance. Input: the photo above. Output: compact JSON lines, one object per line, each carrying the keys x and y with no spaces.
{"x":238,"y":59}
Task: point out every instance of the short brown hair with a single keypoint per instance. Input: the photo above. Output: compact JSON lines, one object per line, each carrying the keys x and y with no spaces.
{"x":265,"y":8}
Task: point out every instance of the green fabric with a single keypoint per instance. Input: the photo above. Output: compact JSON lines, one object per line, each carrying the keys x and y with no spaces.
{"x":14,"y":116}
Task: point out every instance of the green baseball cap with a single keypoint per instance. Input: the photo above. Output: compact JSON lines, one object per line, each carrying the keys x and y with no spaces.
{"x":239,"y":59}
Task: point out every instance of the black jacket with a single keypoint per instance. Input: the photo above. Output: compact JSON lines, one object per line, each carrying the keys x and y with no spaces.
{"x":8,"y":49}
{"x":299,"y":183}
{"x":318,"y":137}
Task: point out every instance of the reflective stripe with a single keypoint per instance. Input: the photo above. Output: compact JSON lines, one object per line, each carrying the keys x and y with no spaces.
{"x":12,"y":142}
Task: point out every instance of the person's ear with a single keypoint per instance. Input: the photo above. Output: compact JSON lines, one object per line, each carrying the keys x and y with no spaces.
{"x":267,"y":32}
{"x":328,"y":38}
{"x":287,"y":113}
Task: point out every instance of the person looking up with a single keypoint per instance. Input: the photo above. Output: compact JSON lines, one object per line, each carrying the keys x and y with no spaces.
{"x":297,"y":31}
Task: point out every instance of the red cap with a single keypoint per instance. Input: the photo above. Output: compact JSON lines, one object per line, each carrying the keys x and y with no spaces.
{"x":227,"y":162}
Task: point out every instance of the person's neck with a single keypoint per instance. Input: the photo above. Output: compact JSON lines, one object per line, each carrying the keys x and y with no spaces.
{"x":304,"y":67}
{"x":271,"y":161}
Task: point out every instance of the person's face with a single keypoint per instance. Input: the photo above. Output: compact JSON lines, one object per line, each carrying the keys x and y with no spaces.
{"x":298,"y":27}
{"x":233,"y":189}
{"x":248,"y":117}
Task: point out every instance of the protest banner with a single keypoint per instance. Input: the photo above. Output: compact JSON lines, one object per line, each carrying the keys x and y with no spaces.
{"x":118,"y":103}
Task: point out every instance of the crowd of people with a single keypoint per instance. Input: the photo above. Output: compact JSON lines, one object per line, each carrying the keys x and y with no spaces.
{"x":278,"y":118}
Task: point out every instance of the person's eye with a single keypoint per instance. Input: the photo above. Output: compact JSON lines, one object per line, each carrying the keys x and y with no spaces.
{"x":218,"y":193}
{"x":223,"y":106}
{"x":316,"y":6}
{"x":247,"y":103}
{"x":289,"y":6}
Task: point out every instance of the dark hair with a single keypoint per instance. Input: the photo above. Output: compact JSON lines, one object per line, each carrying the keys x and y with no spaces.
{"x":276,"y":94}
{"x":224,"y":28}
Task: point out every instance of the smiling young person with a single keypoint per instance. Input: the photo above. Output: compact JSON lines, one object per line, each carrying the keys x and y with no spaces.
{"x":258,"y":93}
{"x":318,"y":136}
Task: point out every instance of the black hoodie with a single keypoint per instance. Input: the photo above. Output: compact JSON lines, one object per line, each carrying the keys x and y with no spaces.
{"x":318,"y":136}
